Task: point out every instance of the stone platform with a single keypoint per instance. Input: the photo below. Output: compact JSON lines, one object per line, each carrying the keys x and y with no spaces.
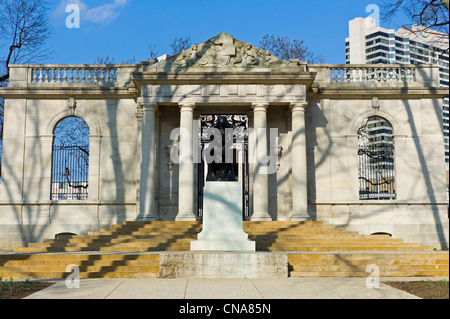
{"x":227,"y":265}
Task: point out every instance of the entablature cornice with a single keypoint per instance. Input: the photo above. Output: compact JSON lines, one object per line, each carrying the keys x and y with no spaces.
{"x":385,"y":92}
{"x":66,"y":92}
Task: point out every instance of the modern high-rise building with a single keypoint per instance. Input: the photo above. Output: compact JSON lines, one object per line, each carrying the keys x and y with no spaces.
{"x":368,"y":44}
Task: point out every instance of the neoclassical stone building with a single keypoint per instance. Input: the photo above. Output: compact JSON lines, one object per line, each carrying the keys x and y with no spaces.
{"x":358,"y":146}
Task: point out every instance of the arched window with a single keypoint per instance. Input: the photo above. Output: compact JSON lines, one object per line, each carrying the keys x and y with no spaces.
{"x":376,"y":160}
{"x":70,"y":165}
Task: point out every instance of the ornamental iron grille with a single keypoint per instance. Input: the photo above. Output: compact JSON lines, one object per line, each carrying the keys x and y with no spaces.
{"x":241,"y":167}
{"x":376,"y":160}
{"x":70,"y":160}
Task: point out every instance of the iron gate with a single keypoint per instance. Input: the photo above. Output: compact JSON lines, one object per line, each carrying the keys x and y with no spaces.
{"x":240,"y":125}
{"x":70,"y":172}
{"x":376,"y":172}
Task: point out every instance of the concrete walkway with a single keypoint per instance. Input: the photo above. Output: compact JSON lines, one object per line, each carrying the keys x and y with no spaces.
{"x":189,"y":289}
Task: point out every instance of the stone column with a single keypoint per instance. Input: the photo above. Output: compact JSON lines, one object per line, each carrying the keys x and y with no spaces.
{"x":186,"y":182}
{"x":260,"y":169}
{"x":148,"y":167}
{"x":299,"y":163}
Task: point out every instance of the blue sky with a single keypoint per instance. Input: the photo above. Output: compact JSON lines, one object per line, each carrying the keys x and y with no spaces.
{"x":124,"y":29}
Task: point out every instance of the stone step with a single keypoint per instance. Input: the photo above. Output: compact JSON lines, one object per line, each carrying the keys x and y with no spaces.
{"x":338,"y":248}
{"x":327,"y":262}
{"x":141,"y":232}
{"x":80,"y":257}
{"x":103,"y":249}
{"x":349,"y":274}
{"x":96,"y":268}
{"x":53,"y":266}
{"x":260,"y":238}
{"x":354,"y":264}
{"x":95,"y":243}
{"x":101,"y":263}
{"x":83,"y":275}
{"x":353,"y":267}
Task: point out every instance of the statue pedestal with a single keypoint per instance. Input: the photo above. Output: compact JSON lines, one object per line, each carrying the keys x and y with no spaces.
{"x":222,"y":219}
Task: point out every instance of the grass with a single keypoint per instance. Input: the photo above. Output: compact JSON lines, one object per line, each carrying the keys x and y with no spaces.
{"x":424,"y":289}
{"x":10,"y":289}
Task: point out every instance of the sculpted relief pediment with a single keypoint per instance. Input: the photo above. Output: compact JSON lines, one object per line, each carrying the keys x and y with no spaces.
{"x":222,"y":51}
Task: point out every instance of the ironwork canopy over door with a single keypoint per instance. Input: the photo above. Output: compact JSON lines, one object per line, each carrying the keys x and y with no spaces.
{"x":239,"y":125}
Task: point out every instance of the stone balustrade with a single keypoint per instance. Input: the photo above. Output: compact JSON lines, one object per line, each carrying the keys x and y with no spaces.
{"x":73,"y":74}
{"x":353,"y":75}
{"x":395,"y":75}
{"x":372,"y":73}
{"x":70,"y":75}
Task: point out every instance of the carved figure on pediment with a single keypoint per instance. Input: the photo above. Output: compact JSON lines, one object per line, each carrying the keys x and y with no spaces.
{"x":188,"y":57}
{"x":270,"y":59}
{"x":209,"y":58}
{"x":249,"y":55}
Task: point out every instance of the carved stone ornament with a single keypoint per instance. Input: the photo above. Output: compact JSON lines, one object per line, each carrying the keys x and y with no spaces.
{"x":72,"y":104}
{"x":222,"y":51}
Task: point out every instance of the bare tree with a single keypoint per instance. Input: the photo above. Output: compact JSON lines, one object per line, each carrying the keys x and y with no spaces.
{"x":430,"y":15}
{"x":286,"y":49}
{"x":110,"y":60}
{"x":153,"y":52}
{"x":180,"y":43}
{"x":24,"y":30}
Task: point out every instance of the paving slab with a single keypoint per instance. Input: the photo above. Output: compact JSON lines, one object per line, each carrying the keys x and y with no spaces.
{"x":192,"y":289}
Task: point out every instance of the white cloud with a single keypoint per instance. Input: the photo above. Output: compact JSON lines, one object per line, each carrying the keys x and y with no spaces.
{"x":101,"y":14}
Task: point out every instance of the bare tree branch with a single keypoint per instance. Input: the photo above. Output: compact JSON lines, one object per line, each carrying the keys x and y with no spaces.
{"x":24,"y":30}
{"x":180,"y":43}
{"x":286,"y":49}
{"x":431,"y":14}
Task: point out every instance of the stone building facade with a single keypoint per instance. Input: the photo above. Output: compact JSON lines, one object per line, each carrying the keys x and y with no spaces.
{"x":132,"y":111}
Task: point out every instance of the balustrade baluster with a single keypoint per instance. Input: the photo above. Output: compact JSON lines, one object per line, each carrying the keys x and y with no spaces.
{"x":89,"y":77}
{"x":108,"y":71}
{"x":115,"y":72}
{"x":71,"y":75}
{"x":33,"y":75}
{"x":46,"y":78}
{"x":58,"y":77}
{"x":77,"y":75}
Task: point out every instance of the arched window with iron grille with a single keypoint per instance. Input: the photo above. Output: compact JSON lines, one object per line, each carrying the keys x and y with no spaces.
{"x":376,"y":160}
{"x":70,"y":160}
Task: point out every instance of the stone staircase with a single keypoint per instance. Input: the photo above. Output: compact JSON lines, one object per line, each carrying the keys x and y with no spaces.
{"x":313,"y":249}
{"x":54,"y":266}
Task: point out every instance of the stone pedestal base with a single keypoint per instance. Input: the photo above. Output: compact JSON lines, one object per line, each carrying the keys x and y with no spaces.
{"x":213,"y":265}
{"x":222,"y":219}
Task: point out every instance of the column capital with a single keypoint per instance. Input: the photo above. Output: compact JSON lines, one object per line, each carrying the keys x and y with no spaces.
{"x":261,"y":107}
{"x":298,"y":106}
{"x":148,"y":106}
{"x":187,"y":106}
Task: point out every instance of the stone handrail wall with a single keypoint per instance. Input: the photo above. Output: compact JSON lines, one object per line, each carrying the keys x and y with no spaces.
{"x":380,"y":74}
{"x":73,"y":74}
{"x":327,"y":74}
{"x":41,"y":75}
{"x":426,"y":75}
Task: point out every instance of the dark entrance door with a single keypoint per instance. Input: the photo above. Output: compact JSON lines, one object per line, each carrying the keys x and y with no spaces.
{"x":240,"y":139}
